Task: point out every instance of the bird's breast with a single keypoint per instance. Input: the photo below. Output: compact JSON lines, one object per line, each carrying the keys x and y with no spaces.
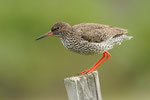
{"x":83,"y":47}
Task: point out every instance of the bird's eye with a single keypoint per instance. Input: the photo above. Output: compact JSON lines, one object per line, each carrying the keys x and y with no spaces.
{"x":57,"y":28}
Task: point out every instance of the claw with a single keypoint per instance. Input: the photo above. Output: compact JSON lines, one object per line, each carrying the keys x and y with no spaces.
{"x":85,"y":72}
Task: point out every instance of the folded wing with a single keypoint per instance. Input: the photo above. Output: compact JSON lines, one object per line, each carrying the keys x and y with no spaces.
{"x":98,"y":32}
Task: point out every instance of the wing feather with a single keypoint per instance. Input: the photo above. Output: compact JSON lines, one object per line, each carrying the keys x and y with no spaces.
{"x":98,"y":32}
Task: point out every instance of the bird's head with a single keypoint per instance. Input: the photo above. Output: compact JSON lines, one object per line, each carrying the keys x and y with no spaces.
{"x":57,"y":30}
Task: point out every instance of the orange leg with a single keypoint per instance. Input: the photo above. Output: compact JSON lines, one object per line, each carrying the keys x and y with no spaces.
{"x":99,"y":62}
{"x":104,"y":54}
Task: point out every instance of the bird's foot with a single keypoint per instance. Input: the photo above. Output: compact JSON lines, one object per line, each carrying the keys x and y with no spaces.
{"x":84,"y":72}
{"x":87,"y":71}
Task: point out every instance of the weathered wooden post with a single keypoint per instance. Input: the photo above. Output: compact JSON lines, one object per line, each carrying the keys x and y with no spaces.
{"x":84,"y":87}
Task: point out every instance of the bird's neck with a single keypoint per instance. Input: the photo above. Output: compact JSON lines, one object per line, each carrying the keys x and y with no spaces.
{"x":68,"y":40}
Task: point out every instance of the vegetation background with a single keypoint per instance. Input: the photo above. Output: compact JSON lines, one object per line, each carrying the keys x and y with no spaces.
{"x":34,"y":70}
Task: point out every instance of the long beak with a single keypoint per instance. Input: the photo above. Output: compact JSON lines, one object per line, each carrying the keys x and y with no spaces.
{"x":45,"y":35}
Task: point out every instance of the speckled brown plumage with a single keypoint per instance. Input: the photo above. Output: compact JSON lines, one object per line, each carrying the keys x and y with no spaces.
{"x":88,"y":38}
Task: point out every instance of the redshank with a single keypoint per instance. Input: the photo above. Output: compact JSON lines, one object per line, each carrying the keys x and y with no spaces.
{"x":88,"y":39}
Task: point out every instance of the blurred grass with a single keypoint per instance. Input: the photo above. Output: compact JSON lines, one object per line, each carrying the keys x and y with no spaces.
{"x":35,"y":69}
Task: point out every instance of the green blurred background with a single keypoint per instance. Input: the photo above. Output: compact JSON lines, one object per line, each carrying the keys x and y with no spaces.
{"x":34,"y":70}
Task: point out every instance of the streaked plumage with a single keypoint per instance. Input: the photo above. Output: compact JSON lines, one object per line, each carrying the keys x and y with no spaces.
{"x":89,"y":38}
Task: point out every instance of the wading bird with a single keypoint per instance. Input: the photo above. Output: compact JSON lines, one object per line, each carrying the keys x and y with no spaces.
{"x":88,"y":39}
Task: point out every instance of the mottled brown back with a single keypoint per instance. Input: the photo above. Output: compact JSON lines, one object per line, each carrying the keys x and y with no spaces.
{"x":97,"y":32}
